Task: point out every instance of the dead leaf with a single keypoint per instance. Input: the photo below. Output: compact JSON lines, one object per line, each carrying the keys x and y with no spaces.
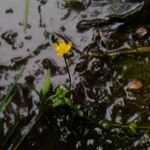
{"x":135,"y":85}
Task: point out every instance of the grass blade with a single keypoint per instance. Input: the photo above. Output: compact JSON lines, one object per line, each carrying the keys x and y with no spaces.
{"x":10,"y":93}
{"x":26,"y":14}
{"x":28,"y":130}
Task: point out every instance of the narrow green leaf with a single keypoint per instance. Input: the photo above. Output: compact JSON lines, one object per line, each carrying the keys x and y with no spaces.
{"x":67,"y":101}
{"x":46,"y":83}
{"x":132,"y":128}
{"x":79,"y":113}
{"x":6,"y":101}
{"x":10,"y":93}
{"x":26,"y":14}
{"x":106,"y":124}
{"x":61,"y":91}
{"x":59,"y":97}
{"x":57,"y":102}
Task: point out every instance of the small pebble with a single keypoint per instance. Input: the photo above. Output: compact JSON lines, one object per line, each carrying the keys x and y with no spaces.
{"x":141,"y":32}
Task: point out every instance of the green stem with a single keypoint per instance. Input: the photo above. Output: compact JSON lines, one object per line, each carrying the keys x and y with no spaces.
{"x":68,"y":71}
{"x":144,"y":127}
{"x":119,"y":125}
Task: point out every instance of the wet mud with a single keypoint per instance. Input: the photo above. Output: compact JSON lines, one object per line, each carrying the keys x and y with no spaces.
{"x":100,"y":85}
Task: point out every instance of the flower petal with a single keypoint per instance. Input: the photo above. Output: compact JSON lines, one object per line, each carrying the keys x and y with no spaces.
{"x":62,"y":47}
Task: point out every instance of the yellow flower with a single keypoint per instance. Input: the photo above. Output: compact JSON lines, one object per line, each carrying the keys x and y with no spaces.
{"x":62,"y":47}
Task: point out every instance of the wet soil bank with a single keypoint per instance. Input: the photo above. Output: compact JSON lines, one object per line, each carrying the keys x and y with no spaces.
{"x":99,"y":85}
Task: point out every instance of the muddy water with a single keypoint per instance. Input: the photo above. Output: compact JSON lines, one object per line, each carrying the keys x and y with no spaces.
{"x":100,"y":85}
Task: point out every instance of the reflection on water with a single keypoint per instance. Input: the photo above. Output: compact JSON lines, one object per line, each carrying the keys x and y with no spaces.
{"x":100,"y":85}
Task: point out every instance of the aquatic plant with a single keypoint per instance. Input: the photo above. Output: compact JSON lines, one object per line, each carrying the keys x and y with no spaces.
{"x":62,"y":49}
{"x":59,"y":97}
